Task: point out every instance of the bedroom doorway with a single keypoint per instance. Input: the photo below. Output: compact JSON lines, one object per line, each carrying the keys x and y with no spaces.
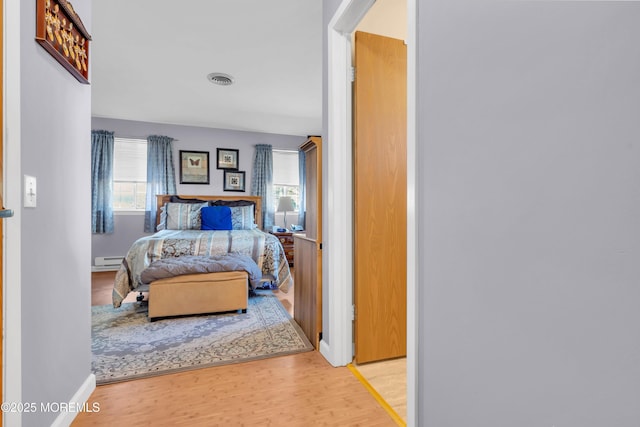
{"x":338,"y":349}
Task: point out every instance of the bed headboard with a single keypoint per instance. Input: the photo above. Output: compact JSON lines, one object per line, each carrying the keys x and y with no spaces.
{"x":164,"y":198}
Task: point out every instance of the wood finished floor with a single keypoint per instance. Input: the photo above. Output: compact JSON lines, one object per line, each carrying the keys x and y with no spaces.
{"x":297,"y":390}
{"x":389,"y":379}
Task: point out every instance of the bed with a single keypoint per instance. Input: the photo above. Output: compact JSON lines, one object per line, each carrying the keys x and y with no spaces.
{"x":180,"y":234}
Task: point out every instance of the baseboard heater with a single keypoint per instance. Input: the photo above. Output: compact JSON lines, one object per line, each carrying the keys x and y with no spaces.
{"x":107,"y":263}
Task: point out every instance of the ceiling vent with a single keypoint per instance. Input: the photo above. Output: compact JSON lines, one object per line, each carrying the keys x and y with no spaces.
{"x":220,"y":79}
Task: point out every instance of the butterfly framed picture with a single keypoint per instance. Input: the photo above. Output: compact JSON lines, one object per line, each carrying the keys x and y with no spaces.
{"x":227,"y":158}
{"x":194,"y":167}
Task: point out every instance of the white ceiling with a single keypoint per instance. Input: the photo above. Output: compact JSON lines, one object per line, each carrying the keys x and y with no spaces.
{"x":150,"y":60}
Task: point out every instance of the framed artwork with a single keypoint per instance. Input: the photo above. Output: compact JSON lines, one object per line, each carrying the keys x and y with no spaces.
{"x":60,"y":31}
{"x":227,"y":158}
{"x":233,"y":180}
{"x":194,"y":167}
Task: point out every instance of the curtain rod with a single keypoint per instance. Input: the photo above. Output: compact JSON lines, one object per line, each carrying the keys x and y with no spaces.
{"x":137,"y":137}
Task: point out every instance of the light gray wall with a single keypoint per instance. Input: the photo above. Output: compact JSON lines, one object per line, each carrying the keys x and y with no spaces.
{"x":529,"y":199}
{"x":56,"y":235}
{"x":130,"y":227}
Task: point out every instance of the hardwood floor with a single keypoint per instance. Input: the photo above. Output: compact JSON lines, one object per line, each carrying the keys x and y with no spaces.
{"x":297,"y":390}
{"x":389,"y":379}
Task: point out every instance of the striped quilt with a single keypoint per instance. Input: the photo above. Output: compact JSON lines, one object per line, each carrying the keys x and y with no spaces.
{"x":265,"y":249}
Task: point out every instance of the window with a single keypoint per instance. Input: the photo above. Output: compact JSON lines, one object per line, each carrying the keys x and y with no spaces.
{"x":129,"y":174}
{"x":286,"y":180}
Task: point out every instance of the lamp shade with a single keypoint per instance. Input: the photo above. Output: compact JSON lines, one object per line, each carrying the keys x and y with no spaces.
{"x":285,"y":204}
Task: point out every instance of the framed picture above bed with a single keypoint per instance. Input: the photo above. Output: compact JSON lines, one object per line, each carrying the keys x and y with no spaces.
{"x":227,"y":158}
{"x":233,"y":180}
{"x":194,"y":167}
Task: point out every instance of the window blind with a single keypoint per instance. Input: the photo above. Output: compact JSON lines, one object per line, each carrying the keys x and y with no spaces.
{"x":285,"y":168}
{"x":129,"y":160}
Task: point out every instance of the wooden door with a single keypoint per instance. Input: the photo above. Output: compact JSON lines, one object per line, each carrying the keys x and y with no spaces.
{"x":380,"y":188}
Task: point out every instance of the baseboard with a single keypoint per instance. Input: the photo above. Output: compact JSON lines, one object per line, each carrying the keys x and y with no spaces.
{"x":326,"y":352}
{"x":95,"y":269}
{"x":64,"y":419}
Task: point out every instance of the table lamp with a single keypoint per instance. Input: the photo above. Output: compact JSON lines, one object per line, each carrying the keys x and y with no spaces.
{"x":285,"y":204}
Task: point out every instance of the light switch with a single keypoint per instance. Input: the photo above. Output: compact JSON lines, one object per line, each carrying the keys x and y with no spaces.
{"x":29,"y":191}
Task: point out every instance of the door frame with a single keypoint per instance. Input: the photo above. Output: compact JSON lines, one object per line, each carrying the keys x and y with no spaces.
{"x":12,"y":292}
{"x":338,"y":226}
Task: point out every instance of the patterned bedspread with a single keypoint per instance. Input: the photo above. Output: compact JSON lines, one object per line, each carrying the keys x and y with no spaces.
{"x":265,"y":249}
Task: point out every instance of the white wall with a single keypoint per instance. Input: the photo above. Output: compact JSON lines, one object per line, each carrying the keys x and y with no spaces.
{"x":529,"y":197}
{"x":55,"y":237}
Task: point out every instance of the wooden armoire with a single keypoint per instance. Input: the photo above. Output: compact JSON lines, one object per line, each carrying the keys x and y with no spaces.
{"x":307,"y":306}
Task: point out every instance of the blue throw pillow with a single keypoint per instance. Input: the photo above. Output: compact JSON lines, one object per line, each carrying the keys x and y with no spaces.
{"x":216,"y":218}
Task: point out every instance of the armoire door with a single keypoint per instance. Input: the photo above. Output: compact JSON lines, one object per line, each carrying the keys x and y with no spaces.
{"x":307,"y":248}
{"x":379,"y":155}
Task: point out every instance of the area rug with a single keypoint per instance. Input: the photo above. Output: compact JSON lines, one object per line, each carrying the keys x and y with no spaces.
{"x":126,"y":345}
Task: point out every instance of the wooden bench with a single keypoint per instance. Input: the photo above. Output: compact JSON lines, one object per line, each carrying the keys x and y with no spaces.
{"x":199,"y":294}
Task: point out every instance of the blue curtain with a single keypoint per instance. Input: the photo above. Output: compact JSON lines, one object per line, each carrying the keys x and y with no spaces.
{"x":101,"y":182}
{"x":262,"y":183}
{"x":302,"y":170}
{"x":161,"y":176}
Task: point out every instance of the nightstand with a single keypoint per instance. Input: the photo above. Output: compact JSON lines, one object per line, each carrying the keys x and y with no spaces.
{"x":286,"y":238}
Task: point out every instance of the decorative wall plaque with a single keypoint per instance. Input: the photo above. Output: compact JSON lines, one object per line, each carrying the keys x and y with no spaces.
{"x":60,"y":31}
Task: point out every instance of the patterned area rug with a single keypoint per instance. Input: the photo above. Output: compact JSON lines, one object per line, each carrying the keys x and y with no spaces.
{"x":126,"y":345}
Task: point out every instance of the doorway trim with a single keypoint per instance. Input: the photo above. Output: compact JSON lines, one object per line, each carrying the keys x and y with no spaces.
{"x":12,"y":355}
{"x":338,"y":230}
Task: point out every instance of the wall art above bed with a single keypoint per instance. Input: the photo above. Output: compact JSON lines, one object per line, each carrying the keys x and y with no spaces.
{"x":194,"y":167}
{"x":227,"y":158}
{"x":233,"y":180}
